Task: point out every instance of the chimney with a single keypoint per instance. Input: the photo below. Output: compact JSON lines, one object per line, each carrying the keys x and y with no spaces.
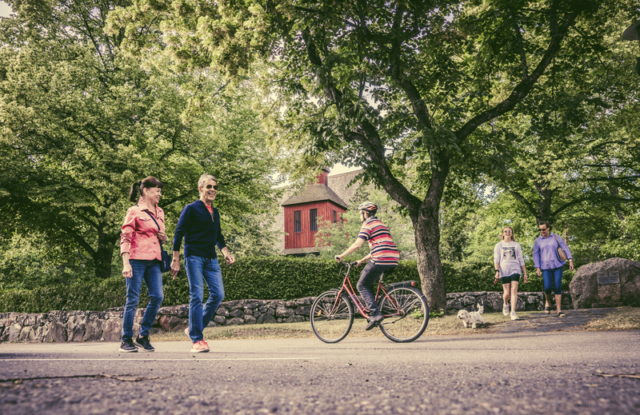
{"x":323,"y":178}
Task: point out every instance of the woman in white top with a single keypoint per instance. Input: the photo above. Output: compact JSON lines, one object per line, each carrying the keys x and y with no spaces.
{"x":507,"y":258}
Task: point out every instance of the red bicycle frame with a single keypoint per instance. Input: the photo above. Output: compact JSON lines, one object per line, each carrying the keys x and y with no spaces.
{"x":346,"y":286}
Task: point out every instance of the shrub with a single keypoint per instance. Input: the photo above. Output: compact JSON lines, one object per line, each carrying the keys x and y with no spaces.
{"x":261,"y":278}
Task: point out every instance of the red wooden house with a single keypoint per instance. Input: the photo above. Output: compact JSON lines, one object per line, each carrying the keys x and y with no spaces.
{"x":303,"y":211}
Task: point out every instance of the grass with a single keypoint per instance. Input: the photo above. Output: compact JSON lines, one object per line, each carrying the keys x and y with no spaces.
{"x":623,"y":318}
{"x":441,"y":326}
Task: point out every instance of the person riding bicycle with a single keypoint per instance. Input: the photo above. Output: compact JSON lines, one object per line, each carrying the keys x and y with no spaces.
{"x":384,"y":256}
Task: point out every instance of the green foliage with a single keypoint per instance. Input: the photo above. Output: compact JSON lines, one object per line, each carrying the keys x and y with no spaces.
{"x":571,"y":145}
{"x":254,"y":238}
{"x":250,"y":278}
{"x":80,"y":122}
{"x":595,"y":232}
{"x":436,"y":314}
{"x":26,"y":262}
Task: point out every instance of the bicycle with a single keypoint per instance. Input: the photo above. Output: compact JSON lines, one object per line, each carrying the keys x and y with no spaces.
{"x":404,"y":307}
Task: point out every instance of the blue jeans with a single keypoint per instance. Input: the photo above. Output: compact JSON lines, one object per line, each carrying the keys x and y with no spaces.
{"x":368,"y":277}
{"x":201,"y":269}
{"x":552,"y":277}
{"x":149,"y":272}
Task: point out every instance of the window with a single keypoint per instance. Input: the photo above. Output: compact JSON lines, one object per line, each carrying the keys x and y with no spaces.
{"x":297,"y":223}
{"x":313,"y":219}
{"x":335,"y":216}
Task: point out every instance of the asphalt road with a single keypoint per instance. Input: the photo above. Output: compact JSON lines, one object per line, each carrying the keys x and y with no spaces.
{"x":550,"y":373}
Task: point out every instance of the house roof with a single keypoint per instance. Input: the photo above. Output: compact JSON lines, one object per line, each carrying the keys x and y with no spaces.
{"x":315,"y":193}
{"x":339,"y":183}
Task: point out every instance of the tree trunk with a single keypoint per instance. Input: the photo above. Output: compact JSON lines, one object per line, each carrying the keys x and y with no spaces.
{"x":544,"y":205}
{"x":615,"y":191}
{"x":104,"y":255}
{"x":427,"y":235}
{"x":426,"y":228}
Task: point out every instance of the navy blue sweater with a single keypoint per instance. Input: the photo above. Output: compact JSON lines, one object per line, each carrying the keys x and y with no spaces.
{"x":201,"y":234}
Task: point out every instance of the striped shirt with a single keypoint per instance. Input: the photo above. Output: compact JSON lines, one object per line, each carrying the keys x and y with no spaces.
{"x":383,"y":250}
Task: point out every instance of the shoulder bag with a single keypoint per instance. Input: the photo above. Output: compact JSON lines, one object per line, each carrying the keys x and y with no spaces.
{"x":562,"y":256}
{"x":165,"y":264}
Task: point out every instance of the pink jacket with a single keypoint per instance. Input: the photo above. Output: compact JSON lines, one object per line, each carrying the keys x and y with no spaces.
{"x":139,"y":236}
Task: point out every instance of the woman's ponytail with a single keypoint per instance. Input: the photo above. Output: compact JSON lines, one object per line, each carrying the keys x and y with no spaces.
{"x":136,"y":189}
{"x":136,"y":192}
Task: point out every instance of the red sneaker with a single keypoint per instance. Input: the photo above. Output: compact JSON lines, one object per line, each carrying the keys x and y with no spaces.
{"x":200,"y":347}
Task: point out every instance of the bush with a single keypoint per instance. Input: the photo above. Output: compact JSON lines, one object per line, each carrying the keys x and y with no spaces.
{"x":261,"y":278}
{"x":479,"y":276}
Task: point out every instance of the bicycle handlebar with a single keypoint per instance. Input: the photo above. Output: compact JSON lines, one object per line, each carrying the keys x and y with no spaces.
{"x":348,"y":264}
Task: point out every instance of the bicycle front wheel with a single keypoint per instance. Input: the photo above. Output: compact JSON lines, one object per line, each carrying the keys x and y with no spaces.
{"x":406,"y":314}
{"x":331,"y":316}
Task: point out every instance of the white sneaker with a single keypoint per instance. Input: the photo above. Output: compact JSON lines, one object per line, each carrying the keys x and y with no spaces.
{"x":513,"y":315}
{"x":505,"y":309}
{"x":186,"y":331}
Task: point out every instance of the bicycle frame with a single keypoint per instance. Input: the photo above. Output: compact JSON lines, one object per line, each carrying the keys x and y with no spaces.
{"x":346,"y":286}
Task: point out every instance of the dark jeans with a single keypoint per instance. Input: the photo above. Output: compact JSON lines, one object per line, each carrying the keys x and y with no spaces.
{"x":368,"y":278}
{"x":149,"y":272}
{"x":201,"y":269}
{"x":552,"y":277}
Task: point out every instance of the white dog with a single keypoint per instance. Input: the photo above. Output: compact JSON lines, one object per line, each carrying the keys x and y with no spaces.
{"x":471,"y":318}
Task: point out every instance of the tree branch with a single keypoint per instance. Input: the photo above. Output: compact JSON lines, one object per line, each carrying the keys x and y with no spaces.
{"x":367,"y":137}
{"x":522,"y":89}
{"x":80,"y":240}
{"x":524,"y":201}
{"x":523,"y":56}
{"x":420,"y":109}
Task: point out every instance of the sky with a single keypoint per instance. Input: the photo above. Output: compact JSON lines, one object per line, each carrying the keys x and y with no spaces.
{"x":5,"y":10}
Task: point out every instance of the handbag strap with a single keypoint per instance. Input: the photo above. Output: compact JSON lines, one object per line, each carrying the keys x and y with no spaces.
{"x":554,"y":235}
{"x":154,"y":221}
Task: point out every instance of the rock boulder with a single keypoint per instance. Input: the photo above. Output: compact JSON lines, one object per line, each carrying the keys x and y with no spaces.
{"x":613,"y":282}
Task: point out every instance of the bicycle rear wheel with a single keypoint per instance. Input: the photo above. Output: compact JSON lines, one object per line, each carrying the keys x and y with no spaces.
{"x":406,"y":314}
{"x":331,"y":316}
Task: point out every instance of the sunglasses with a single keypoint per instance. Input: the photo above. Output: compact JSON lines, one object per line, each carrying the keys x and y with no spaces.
{"x":214,"y":186}
{"x":542,"y":230}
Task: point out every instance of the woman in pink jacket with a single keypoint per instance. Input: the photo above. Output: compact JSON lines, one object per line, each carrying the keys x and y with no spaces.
{"x":142,"y":232}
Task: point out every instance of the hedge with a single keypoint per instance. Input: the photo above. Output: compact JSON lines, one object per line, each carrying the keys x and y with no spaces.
{"x":261,"y":278}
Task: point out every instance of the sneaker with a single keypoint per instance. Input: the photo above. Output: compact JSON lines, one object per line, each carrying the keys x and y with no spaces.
{"x":374,"y":322}
{"x":144,"y":343}
{"x":505,"y":309}
{"x":128,"y":347}
{"x":200,"y":347}
{"x":186,"y":331}
{"x":513,"y":315}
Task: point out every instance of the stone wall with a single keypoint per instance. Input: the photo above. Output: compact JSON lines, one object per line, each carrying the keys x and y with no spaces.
{"x":493,"y":301}
{"x":77,"y":326}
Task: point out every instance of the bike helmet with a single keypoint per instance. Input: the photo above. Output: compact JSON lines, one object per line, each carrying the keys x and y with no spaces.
{"x":368,"y":207}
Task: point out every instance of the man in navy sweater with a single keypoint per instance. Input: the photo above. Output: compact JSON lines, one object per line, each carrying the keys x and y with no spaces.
{"x":199,"y":225}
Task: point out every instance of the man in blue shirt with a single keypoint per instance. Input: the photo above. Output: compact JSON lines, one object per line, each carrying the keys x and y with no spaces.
{"x":199,"y":225}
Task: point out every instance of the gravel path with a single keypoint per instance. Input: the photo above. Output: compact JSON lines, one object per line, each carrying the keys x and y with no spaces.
{"x":575,"y":320}
{"x":555,"y":372}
